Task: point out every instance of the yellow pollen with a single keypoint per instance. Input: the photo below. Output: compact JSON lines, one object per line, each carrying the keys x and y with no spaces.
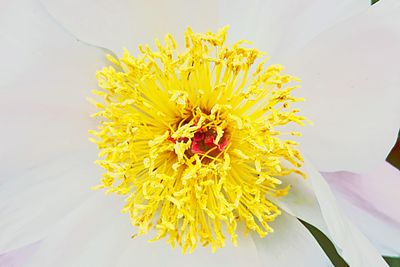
{"x":190,"y":138}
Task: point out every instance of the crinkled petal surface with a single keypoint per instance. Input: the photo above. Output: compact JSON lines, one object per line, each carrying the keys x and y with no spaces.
{"x":370,"y":201}
{"x":351,"y":85}
{"x":47,"y":162}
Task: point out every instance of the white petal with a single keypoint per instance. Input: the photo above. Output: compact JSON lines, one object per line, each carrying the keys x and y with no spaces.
{"x":353,"y":246}
{"x":142,"y":252}
{"x":370,"y":202}
{"x":312,"y":201}
{"x":279,"y":27}
{"x":351,"y":85}
{"x":128,"y":23}
{"x":302,"y":202}
{"x":291,"y":244}
{"x":47,"y":161}
{"x":275,"y":25}
{"x":29,"y":211}
{"x":86,"y":236}
{"x":97,"y":234}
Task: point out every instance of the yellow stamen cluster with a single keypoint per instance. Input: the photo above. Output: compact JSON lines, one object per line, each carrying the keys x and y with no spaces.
{"x":190,"y":138}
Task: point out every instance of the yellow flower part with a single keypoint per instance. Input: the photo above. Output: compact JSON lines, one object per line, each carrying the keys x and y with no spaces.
{"x":190,"y":138}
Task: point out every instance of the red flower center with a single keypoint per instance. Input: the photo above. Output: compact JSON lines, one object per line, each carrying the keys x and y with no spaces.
{"x":204,"y":142}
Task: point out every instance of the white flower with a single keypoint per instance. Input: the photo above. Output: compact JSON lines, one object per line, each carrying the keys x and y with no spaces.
{"x":345,"y":52}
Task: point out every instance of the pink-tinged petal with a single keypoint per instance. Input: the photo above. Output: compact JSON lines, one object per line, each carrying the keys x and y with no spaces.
{"x":98,"y":234}
{"x":372,"y":201}
{"x":313,"y":201}
{"x":46,"y":159}
{"x":352,"y":245}
{"x":351,"y":82}
{"x":19,"y":257}
{"x":291,"y":244}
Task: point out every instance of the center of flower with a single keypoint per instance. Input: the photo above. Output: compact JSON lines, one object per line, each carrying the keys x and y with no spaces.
{"x":191,"y":138}
{"x":205,"y":140}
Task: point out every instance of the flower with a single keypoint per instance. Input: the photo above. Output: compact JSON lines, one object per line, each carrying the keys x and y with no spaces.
{"x":191,"y":138}
{"x":48,"y":163}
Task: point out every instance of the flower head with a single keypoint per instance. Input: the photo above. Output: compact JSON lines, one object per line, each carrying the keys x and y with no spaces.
{"x":47,"y":165}
{"x":192,"y":138}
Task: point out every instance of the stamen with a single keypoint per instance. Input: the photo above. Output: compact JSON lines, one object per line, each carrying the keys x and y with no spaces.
{"x":191,"y":138}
